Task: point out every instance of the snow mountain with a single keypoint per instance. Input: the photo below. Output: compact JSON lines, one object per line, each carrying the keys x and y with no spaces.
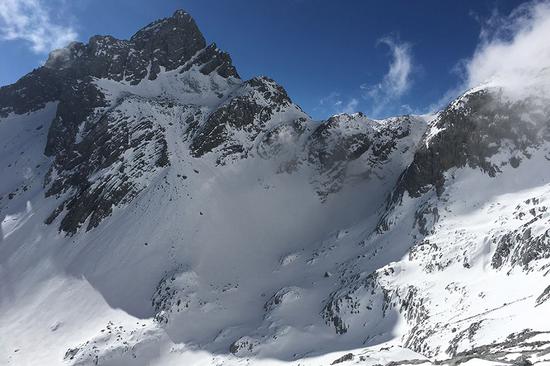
{"x":156,"y":209}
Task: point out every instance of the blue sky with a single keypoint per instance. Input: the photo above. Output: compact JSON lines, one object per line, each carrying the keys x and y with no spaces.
{"x":382,"y":58}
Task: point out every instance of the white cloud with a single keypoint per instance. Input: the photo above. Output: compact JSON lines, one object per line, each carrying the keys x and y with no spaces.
{"x":32,"y":21}
{"x":514,"y":52}
{"x":397,"y":81}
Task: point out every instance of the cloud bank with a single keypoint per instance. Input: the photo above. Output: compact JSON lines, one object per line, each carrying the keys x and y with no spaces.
{"x":32,"y":21}
{"x":514,"y":52}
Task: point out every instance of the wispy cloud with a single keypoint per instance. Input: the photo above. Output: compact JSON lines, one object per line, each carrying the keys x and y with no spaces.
{"x":334,"y":103}
{"x":350,"y":106}
{"x":32,"y":21}
{"x":394,"y":84}
{"x":397,"y":81}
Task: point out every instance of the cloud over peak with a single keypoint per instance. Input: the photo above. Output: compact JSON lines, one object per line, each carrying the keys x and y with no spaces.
{"x":514,"y":52}
{"x":32,"y":21}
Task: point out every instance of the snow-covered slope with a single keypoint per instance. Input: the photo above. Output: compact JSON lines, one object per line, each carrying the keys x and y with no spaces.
{"x":158,"y":210}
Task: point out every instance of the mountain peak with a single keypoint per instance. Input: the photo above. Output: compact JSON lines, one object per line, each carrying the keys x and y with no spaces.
{"x":166,"y":44}
{"x":180,"y":13}
{"x":178,"y":30}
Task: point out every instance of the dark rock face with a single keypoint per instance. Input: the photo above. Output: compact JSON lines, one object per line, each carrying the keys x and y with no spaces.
{"x":362,"y":296}
{"x":170,"y":297}
{"x":31,"y":92}
{"x":467,"y":333}
{"x":168,"y":43}
{"x":104,"y":168}
{"x":471,"y":130}
{"x":521,"y":247}
{"x":76,"y":105}
{"x":210,"y":60}
{"x":344,"y":358}
{"x":246,"y":112}
{"x":544,"y":296}
{"x":280,"y":297}
{"x":242,"y":346}
{"x":342,"y":139}
{"x":520,"y":345}
{"x":344,"y":147}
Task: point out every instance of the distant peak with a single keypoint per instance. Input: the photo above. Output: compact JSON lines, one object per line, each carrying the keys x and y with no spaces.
{"x":345,"y":117}
{"x":180,"y":23}
{"x":180,"y":13}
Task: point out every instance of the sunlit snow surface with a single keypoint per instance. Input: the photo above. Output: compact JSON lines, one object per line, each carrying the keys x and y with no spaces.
{"x":249,"y":255}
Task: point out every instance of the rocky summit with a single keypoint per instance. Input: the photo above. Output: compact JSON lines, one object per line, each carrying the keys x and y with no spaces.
{"x":156,"y":209}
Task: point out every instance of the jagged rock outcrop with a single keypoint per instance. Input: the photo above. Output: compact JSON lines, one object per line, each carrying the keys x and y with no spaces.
{"x":527,"y":243}
{"x":165,"y":44}
{"x":470,"y":131}
{"x":233,"y":127}
{"x":344,"y":139}
{"x":110,"y":164}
